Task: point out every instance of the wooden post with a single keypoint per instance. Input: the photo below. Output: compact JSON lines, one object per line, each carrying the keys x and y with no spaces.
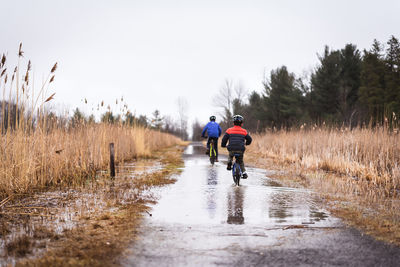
{"x":112,"y":164}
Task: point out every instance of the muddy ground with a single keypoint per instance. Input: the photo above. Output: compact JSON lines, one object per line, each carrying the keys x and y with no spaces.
{"x":89,"y":225}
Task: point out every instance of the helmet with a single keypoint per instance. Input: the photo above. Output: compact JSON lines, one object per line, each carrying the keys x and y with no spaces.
{"x":212,"y":118}
{"x":237,"y":120}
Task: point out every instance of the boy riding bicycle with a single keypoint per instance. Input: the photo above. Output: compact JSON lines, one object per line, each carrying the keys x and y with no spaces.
{"x":238,"y":138}
{"x":214,"y":132}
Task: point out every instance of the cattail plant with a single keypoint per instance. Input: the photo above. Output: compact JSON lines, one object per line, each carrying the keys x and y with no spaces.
{"x":40,"y":149}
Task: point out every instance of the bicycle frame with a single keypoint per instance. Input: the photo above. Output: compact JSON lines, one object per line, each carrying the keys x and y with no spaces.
{"x":236,"y":171}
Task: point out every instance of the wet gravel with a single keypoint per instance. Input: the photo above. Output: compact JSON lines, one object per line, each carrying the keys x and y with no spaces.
{"x":204,"y":220}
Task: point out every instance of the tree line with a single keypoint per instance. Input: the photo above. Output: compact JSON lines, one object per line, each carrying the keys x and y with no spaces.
{"x":348,"y":88}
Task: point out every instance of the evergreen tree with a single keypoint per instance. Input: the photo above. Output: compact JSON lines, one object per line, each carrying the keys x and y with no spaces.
{"x":326,"y":82}
{"x":282,"y":98}
{"x":157,"y":120}
{"x":392,"y":78}
{"x":372,"y":89}
{"x":350,"y":65}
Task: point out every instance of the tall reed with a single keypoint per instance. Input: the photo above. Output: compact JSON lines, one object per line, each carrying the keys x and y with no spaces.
{"x":368,"y":156}
{"x":39,"y":150}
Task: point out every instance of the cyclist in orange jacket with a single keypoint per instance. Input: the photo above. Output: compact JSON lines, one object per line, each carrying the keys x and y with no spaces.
{"x":238,"y":137}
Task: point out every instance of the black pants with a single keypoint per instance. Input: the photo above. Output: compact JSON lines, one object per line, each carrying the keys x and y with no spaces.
{"x":215,"y":144}
{"x":239,"y":158}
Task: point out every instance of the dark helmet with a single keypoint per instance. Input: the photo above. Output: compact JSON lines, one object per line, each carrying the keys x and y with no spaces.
{"x":213,"y":118}
{"x":237,"y":120}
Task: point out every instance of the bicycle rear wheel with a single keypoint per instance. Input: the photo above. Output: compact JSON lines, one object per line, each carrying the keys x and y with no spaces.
{"x":212,"y":159}
{"x":236,"y":173}
{"x":212,"y":154}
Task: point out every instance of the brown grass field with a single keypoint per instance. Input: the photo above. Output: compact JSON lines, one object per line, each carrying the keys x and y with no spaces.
{"x":38,"y":149}
{"x":369,"y":157}
{"x":357,"y":171}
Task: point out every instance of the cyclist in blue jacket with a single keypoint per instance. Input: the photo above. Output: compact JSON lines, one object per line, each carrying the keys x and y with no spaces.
{"x":214,"y":132}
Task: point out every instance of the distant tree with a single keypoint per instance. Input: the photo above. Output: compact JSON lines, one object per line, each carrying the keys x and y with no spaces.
{"x":392,"y":78}
{"x":78,"y":118}
{"x":196,"y":129}
{"x":183,"y":119}
{"x":326,"y":82}
{"x":143,"y":121}
{"x":224,"y":100}
{"x":282,"y":98}
{"x":157,"y":120}
{"x":108,"y":117}
{"x":350,"y":66}
{"x":129,"y":119}
{"x":91,"y":119}
{"x":372,"y":89}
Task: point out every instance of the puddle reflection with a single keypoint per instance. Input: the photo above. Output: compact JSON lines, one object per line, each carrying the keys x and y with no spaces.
{"x":235,"y":205}
{"x":280,"y":205}
{"x":205,"y":195}
{"x":211,"y":191}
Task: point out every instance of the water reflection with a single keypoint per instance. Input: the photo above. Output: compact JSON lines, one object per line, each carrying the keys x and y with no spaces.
{"x":316,"y":215}
{"x":211,"y":191}
{"x":205,"y":195}
{"x":280,"y":205}
{"x":235,"y":205}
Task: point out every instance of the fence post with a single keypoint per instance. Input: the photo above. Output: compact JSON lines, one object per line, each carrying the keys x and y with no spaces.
{"x":112,"y":163}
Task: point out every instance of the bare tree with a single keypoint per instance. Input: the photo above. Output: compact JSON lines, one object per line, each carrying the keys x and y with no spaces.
{"x":183,"y":119}
{"x":224,"y":100}
{"x":227,"y":96}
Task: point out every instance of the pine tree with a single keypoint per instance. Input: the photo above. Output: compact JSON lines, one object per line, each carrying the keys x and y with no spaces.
{"x":282,"y":98}
{"x":350,"y":65}
{"x":326,"y":82}
{"x":392,"y":78}
{"x":372,"y":89}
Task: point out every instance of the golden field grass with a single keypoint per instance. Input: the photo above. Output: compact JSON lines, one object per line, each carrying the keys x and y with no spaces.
{"x":370,"y":157}
{"x":99,"y":221}
{"x":69,"y":157}
{"x":39,"y":149}
{"x":357,"y":171}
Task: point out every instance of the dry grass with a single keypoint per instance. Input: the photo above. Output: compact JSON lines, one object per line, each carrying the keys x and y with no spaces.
{"x":38,"y":150}
{"x":102,"y":238}
{"x":30,"y":160}
{"x":369,"y":158}
{"x":356,"y":171}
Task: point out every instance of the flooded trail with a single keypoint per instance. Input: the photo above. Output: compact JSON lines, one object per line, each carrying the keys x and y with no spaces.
{"x":204,"y":220}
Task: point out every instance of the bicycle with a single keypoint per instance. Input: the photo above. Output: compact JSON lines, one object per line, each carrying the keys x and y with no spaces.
{"x":236,"y":170}
{"x":213,"y":153}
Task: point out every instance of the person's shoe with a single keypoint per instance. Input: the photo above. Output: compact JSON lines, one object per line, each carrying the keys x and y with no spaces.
{"x":244,"y":175}
{"x":216,"y":160}
{"x":229,"y":167}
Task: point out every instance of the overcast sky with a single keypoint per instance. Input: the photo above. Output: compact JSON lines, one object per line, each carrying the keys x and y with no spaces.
{"x":152,"y":52}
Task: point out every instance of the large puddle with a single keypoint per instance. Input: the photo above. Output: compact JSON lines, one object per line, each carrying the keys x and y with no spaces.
{"x":205,"y":194}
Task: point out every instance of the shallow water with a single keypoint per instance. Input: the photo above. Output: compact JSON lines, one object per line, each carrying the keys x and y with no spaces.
{"x":60,"y":210}
{"x":205,"y":220}
{"x":206,"y":194}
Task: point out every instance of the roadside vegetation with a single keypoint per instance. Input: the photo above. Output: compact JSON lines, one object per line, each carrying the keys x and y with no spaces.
{"x":357,"y":171}
{"x":41,"y":149}
{"x":57,"y":200}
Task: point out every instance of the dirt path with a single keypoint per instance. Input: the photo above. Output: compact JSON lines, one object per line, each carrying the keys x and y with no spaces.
{"x":204,"y":220}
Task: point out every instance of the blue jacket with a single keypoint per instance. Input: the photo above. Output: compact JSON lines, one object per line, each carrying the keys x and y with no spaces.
{"x":213,"y":129}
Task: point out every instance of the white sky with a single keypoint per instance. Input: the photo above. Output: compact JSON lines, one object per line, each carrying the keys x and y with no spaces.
{"x":152,"y":52}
